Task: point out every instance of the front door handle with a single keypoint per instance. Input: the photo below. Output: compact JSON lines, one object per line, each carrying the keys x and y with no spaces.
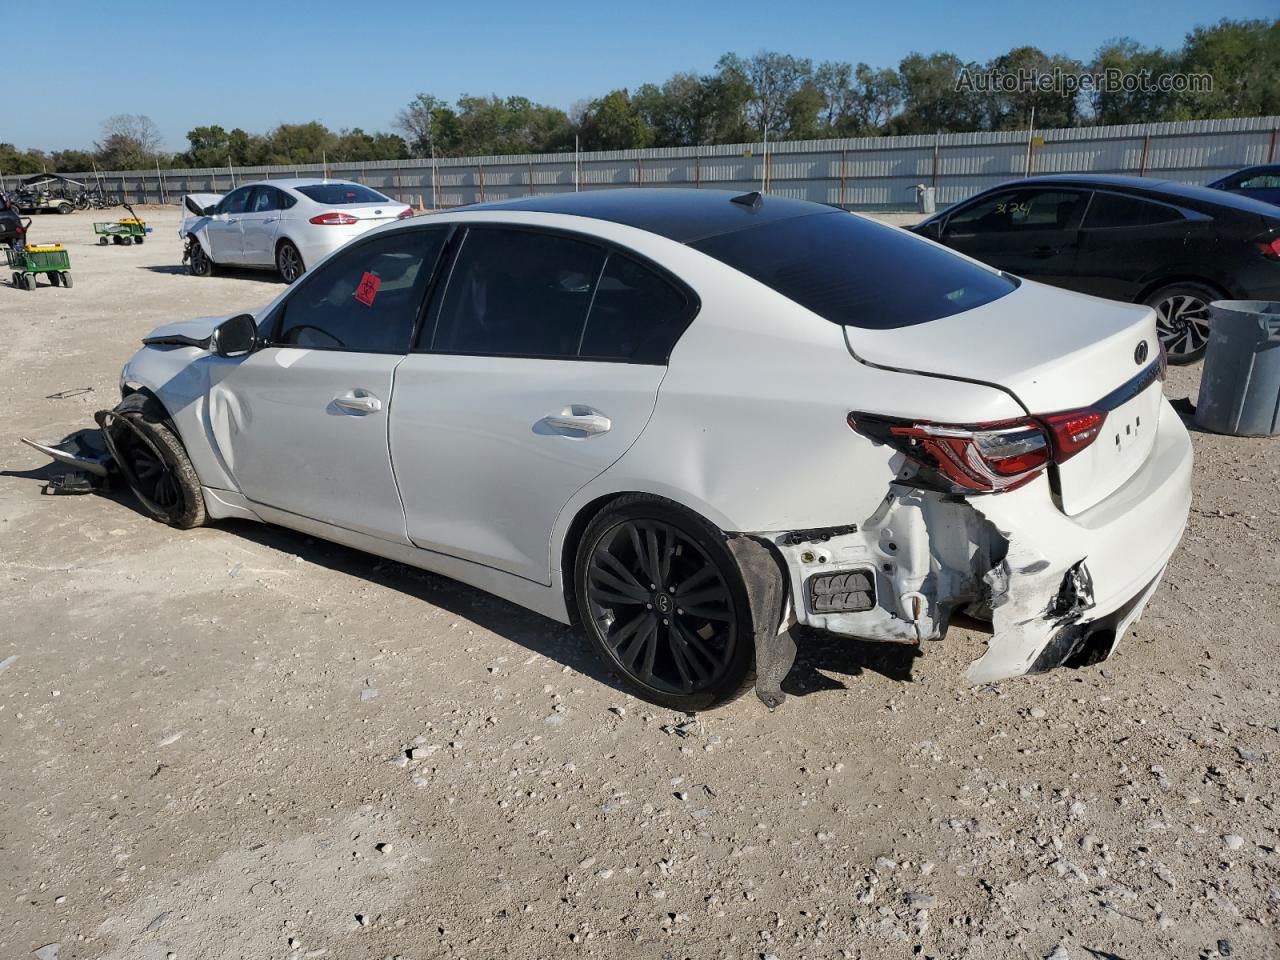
{"x":358,"y":401}
{"x":587,"y":421}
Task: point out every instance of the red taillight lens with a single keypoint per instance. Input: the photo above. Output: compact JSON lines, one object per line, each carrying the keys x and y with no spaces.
{"x":333,"y":219}
{"x":989,"y":457}
{"x":981,"y":459}
{"x":1270,"y":248}
{"x":1073,"y":430}
{"x":408,"y":212}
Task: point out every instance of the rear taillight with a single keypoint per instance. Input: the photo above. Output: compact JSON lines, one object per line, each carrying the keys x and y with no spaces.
{"x":1073,"y":430}
{"x":333,"y":219}
{"x":1270,"y":248}
{"x":408,"y":212}
{"x":987,"y":457}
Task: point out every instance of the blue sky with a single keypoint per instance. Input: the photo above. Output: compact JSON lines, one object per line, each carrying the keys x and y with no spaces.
{"x":350,"y":64}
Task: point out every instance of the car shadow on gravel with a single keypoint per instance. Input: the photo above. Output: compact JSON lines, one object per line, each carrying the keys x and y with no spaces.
{"x":543,"y":636}
{"x":230,"y":273}
{"x":818,"y":655}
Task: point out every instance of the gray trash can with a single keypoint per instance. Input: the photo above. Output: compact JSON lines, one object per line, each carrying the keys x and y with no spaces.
{"x":1240,"y":384}
{"x":924,"y":198}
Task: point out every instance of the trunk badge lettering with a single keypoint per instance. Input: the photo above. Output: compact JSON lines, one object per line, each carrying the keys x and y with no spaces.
{"x":1140,"y":354}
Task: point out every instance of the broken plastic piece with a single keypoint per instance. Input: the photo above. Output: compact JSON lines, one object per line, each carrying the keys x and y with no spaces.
{"x":72,"y":483}
{"x":84,"y":449}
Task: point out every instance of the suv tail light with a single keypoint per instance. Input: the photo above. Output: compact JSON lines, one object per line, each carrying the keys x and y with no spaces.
{"x":1269,"y":247}
{"x":333,"y":218}
{"x":989,"y":457}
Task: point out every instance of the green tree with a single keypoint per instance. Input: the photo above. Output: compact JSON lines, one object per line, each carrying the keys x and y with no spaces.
{"x":15,"y":162}
{"x":931,"y":101}
{"x":1127,"y":57}
{"x":613,"y":122}
{"x":1243,"y":58}
{"x":129,"y":142}
{"x":1011,"y":110}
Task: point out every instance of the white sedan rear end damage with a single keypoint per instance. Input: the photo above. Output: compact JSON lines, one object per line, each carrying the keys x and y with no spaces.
{"x":1058,"y":589}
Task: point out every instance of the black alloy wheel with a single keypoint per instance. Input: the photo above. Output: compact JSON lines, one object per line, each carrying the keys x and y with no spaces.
{"x":664,"y":603}
{"x":289,"y":262}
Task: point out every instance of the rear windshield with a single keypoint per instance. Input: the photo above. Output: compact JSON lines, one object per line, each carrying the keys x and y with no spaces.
{"x":856,"y":272}
{"x":336,"y":194}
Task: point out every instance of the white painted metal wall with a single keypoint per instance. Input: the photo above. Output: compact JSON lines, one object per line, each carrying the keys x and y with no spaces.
{"x":863,"y":173}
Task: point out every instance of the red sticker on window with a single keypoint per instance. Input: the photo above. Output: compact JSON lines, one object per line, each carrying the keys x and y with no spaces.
{"x":368,"y":288}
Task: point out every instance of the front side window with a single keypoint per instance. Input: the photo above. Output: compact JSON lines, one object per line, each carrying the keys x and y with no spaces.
{"x":518,"y":293}
{"x":237,"y":201}
{"x":337,"y":194}
{"x":853,"y":271}
{"x":1017,"y":210}
{"x":366,"y":299}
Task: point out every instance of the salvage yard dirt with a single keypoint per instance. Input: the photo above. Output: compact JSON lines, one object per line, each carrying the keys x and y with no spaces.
{"x":240,"y":742}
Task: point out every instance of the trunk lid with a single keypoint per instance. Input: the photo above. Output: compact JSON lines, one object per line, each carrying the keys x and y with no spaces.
{"x":1054,"y":351}
{"x":372,"y":212}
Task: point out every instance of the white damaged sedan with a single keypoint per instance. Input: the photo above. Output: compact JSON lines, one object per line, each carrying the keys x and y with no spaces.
{"x":689,"y":420}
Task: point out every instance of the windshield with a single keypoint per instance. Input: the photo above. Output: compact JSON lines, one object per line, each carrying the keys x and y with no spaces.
{"x":856,"y":272}
{"x":336,"y":194}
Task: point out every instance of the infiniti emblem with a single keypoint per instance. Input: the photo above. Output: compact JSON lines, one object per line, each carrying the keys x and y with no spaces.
{"x":1140,"y":353}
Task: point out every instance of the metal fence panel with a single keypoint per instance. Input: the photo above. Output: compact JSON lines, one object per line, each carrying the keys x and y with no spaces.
{"x":866,"y":173}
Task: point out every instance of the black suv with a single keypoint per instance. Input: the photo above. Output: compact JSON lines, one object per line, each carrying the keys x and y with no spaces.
{"x":1171,"y":246}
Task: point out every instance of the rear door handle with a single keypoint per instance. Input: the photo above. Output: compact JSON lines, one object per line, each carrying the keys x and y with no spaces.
{"x":588,"y":421}
{"x":358,"y":401}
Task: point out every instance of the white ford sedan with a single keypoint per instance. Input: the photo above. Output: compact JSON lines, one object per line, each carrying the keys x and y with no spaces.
{"x":281,"y":225}
{"x":689,"y":421}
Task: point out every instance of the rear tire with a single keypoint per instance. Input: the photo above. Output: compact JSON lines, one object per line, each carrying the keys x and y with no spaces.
{"x":663,"y":602}
{"x":289,"y":261}
{"x":65,"y":208}
{"x":54,"y":280}
{"x":155,"y":463}
{"x":66,"y":279}
{"x":1182,"y":319}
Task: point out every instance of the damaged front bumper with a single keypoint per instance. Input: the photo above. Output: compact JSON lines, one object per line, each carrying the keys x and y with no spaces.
{"x":1058,"y":589}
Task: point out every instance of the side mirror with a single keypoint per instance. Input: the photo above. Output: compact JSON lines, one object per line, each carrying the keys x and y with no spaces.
{"x":237,"y":337}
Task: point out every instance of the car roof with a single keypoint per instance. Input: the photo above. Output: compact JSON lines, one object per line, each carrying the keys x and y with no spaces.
{"x":1170,"y":190}
{"x":680,"y":214}
{"x":299,"y":182}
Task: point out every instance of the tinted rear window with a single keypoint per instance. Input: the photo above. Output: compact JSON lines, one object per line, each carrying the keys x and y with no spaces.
{"x":336,"y":194}
{"x":856,"y":272}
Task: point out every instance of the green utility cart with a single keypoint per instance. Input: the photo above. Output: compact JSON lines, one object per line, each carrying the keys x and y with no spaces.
{"x":28,"y":262}
{"x":124,"y":230}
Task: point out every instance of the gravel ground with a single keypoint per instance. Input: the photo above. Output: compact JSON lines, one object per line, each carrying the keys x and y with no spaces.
{"x":241,"y":742}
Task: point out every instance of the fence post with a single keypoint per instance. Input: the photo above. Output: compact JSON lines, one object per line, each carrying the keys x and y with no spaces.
{"x":480,"y":167}
{"x":1271,"y":153}
{"x":1142,"y":164}
{"x":697,"y":170}
{"x":844,"y":178}
{"x":639,"y":172}
{"x":531,"y":178}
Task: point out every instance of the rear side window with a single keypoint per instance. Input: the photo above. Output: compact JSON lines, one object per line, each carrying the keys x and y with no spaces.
{"x":337,"y":194}
{"x":858,"y":273}
{"x":265,"y":200}
{"x":636,"y":315}
{"x":1117,"y":210}
{"x":365,"y":299}
{"x":528,"y":293}
{"x":518,"y":293}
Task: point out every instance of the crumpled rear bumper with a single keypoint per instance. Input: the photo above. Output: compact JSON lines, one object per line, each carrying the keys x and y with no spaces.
{"x":1058,"y":589}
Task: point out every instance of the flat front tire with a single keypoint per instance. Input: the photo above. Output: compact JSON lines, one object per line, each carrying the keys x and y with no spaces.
{"x":664,"y":604}
{"x":154,"y":462}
